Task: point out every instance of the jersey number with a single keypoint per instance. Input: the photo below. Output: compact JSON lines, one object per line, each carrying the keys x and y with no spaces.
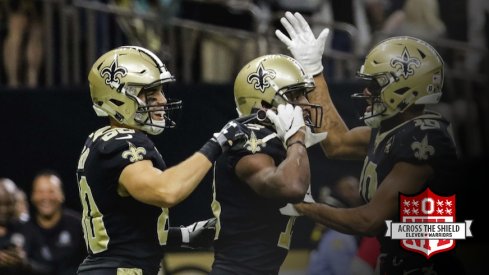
{"x":426,"y":124}
{"x":368,"y":179}
{"x":95,"y":234}
{"x":163,"y":226}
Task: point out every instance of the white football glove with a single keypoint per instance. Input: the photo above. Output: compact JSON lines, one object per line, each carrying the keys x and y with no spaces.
{"x":289,"y":209}
{"x":288,"y":120}
{"x":302,"y":43}
{"x":313,"y":138}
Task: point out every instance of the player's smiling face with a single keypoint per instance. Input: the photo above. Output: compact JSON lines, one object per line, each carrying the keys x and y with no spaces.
{"x":154,"y":97}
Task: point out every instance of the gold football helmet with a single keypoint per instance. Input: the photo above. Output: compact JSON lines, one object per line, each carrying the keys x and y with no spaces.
{"x":116,"y":80}
{"x":270,"y":80}
{"x":401,"y":71}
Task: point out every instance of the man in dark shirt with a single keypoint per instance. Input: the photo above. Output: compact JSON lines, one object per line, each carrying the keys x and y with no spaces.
{"x":54,"y":235}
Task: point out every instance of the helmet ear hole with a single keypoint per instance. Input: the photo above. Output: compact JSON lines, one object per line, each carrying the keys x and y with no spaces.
{"x":116,"y":102}
{"x":401,"y":91}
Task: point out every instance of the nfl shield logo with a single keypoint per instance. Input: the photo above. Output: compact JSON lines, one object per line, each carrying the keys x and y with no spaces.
{"x":427,"y":207}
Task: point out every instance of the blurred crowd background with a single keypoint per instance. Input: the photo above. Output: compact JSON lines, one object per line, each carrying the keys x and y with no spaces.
{"x":48,"y":47}
{"x":52,"y":43}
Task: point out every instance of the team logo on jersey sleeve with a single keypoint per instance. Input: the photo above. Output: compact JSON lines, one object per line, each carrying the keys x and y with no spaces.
{"x":427,"y":224}
{"x":422,"y":150}
{"x":253,"y":144}
{"x":134,"y":153}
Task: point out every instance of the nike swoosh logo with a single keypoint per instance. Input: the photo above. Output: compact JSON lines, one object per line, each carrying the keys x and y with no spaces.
{"x":125,"y":137}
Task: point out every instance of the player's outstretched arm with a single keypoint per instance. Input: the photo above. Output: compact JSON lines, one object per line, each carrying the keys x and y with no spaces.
{"x":369,"y":219}
{"x":168,"y":188}
{"x":308,"y":50}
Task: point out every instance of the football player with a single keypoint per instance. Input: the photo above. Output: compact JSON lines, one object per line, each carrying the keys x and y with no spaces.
{"x":124,"y":185}
{"x":405,"y":147}
{"x":254,"y":181}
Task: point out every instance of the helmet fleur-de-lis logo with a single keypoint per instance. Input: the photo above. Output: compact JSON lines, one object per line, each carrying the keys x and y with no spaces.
{"x":422,"y":150}
{"x":113,"y":72}
{"x":134,"y":153}
{"x":261,"y":78}
{"x":405,"y":63}
{"x":253,"y":144}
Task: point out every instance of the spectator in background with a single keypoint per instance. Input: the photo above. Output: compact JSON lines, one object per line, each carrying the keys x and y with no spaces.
{"x":359,"y":14}
{"x":21,"y":206}
{"x":12,"y":253}
{"x":23,"y":19}
{"x":336,"y":251}
{"x":54,"y":234}
{"x":477,"y":33}
{"x":424,"y":23}
{"x":365,"y":260}
{"x":143,"y":32}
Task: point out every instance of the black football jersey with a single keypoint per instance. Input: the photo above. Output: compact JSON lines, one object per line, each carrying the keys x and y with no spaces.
{"x":119,"y":230}
{"x":252,"y":236}
{"x":426,"y":139}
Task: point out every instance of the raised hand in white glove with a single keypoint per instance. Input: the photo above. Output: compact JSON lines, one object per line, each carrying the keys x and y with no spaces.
{"x":289,"y":209}
{"x":302,"y":43}
{"x":288,"y":120}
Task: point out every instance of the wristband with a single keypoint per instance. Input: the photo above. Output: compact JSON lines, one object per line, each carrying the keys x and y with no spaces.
{"x":297,"y":142}
{"x":175,"y":237}
{"x":211,"y":150}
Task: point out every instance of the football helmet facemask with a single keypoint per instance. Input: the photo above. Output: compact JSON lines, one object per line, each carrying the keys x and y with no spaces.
{"x":116,"y":80}
{"x":399,"y":71}
{"x":270,"y":80}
